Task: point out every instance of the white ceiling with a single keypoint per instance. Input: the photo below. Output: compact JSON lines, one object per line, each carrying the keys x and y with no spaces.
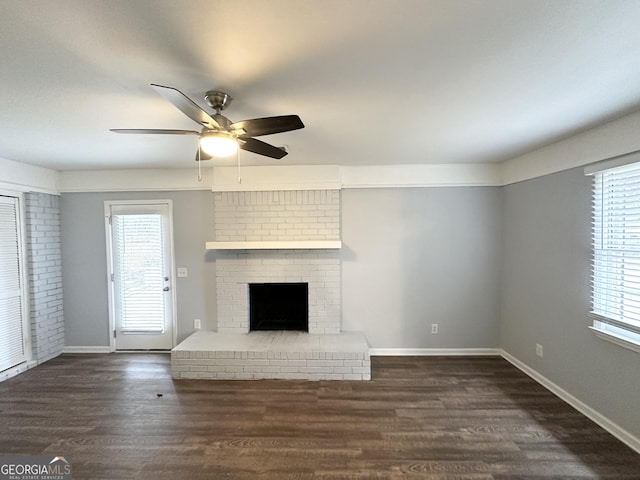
{"x":375,"y":81}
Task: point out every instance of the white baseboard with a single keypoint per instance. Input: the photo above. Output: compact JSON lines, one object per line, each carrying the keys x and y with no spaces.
{"x":90,"y":349}
{"x":17,"y":370}
{"x":614,"y":429}
{"x":403,"y":352}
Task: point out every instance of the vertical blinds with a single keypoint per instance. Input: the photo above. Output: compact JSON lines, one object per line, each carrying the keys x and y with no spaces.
{"x":616,"y":247}
{"x":12,"y":351}
{"x":138,"y":270}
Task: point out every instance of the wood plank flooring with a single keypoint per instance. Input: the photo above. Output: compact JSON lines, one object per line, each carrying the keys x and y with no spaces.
{"x":475,"y":418}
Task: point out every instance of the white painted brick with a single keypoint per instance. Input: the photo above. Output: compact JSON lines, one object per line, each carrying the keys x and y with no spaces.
{"x":290,"y":376}
{"x":216,"y":368}
{"x":271,"y":369}
{"x":362,"y":370}
{"x":44,"y":262}
{"x":234,"y":368}
{"x":325,"y":363}
{"x":318,"y":370}
{"x":290,"y":369}
{"x":313,"y":267}
{"x":198,"y":368}
{"x":353,"y":363}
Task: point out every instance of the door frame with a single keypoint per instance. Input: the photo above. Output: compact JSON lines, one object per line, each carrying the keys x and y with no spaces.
{"x":109,"y":249}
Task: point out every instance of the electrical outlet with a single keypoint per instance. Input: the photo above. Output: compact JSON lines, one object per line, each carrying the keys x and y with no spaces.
{"x":434,"y":328}
{"x":183,"y":272}
{"x":196,"y":324}
{"x":539,"y":350}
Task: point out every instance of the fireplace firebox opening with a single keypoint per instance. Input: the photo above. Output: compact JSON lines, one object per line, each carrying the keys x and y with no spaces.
{"x":279,"y":306}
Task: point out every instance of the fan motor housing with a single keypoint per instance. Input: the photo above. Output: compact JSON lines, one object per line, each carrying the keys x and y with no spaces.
{"x":217,"y":100}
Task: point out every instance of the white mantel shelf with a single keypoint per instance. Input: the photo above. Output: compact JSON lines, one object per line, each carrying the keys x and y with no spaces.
{"x":277,"y":245}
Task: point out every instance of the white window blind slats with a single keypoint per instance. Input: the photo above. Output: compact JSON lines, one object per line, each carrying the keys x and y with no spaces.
{"x":613,"y":177}
{"x":12,"y":351}
{"x":632,"y":312}
{"x":139,"y":272}
{"x":616,"y":248}
{"x":613,"y":276}
{"x":10,"y":278}
{"x":11,"y":335}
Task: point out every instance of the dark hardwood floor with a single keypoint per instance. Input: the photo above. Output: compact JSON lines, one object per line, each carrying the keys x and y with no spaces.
{"x":476,"y":418}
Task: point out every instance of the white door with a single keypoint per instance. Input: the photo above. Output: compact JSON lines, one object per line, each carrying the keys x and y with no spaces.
{"x":141,"y":276}
{"x":13,"y":335}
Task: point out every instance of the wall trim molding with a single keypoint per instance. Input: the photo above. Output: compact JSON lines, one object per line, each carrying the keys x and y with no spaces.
{"x":611,"y":427}
{"x":422,"y":175}
{"x":87,"y":349}
{"x":23,"y":177}
{"x":135,"y":180}
{"x":417,"y":352}
{"x":612,"y":139}
{"x":282,"y":177}
{"x":258,"y":178}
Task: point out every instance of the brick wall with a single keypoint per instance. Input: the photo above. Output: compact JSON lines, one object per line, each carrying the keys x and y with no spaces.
{"x":277,"y":215}
{"x":44,"y":259}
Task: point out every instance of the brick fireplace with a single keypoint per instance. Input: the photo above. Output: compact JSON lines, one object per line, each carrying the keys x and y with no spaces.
{"x":235,"y":271}
{"x":276,"y":237}
{"x":265,"y":218}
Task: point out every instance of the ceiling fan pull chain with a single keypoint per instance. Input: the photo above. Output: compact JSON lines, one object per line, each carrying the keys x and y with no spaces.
{"x":199,"y":165}
{"x":238,"y":163}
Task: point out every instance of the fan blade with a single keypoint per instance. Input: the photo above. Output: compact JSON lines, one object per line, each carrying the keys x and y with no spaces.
{"x":186,"y":106}
{"x":262,"y":148}
{"x":154,"y":131}
{"x":201,"y":155}
{"x":268,"y":125}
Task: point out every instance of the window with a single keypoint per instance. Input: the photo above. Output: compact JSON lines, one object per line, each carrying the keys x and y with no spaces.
{"x":615,"y":291}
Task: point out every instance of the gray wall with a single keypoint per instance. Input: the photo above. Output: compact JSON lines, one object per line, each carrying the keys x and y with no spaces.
{"x":412,"y":257}
{"x":417,"y":256}
{"x":85,"y":266}
{"x":546,"y":296}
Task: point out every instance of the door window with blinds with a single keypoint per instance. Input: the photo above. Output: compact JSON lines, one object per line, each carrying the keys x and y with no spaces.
{"x":13,"y":328}
{"x":616,"y":253}
{"x":141,"y":274}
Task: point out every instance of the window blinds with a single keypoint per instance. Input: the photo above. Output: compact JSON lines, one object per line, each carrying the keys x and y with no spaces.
{"x":12,"y":348}
{"x":616,"y":248}
{"x":138,"y":269}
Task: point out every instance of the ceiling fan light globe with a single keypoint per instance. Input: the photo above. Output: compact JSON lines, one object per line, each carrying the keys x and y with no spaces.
{"x":218,"y":144}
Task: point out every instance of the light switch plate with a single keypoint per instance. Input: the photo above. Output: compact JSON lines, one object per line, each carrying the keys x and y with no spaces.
{"x":183,"y":272}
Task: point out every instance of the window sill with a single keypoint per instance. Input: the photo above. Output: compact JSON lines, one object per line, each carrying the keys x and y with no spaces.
{"x":617,"y":339}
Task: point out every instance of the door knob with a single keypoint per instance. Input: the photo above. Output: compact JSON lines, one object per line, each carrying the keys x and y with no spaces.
{"x":165,"y":289}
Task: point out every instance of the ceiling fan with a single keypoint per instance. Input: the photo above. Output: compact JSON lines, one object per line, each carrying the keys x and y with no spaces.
{"x":219,"y":136}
